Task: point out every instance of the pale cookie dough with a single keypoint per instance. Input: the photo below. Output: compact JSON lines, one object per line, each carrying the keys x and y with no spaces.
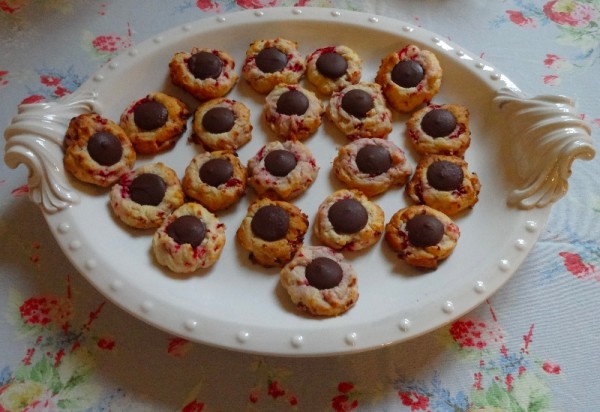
{"x":204,"y":73}
{"x":144,"y":197}
{"x":272,"y":61}
{"x":333,"y":68}
{"x":440,"y":129}
{"x":360,"y":110}
{"x":444,"y":183}
{"x":215,"y":179}
{"x":272,"y":231}
{"x":320,"y":281}
{"x":371,"y":165}
{"x":222,"y":124}
{"x":155,"y":123}
{"x":282,"y":170}
{"x":293,"y":112}
{"x":189,"y":239}
{"x":422,"y":236}
{"x":409,"y":77}
{"x":348,"y":220}
{"x":97,"y":150}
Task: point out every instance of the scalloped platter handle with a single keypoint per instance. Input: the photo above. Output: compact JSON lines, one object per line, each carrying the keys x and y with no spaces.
{"x":546,"y":136}
{"x":35,"y":138}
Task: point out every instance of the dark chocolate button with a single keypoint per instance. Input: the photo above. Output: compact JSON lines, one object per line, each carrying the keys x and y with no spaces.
{"x":217,"y":171}
{"x":332,"y":65}
{"x":148,"y":189}
{"x":424,"y":230}
{"x":218,"y":120}
{"x":445,"y":175}
{"x":150,"y":115}
{"x":438,"y":123}
{"x":271,"y":60}
{"x":348,"y":216}
{"x":205,"y":65}
{"x":292,"y":102}
{"x":280,"y":162}
{"x":323,"y":273}
{"x":187,"y":229}
{"x":373,"y":159}
{"x":357,"y":102}
{"x":270,"y":223}
{"x":105,"y":148}
{"x":407,"y":73}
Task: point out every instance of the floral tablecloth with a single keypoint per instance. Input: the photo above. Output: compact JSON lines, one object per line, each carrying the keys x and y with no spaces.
{"x":531,"y":347}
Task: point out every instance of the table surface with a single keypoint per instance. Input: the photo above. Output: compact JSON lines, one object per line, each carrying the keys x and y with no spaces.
{"x":530,"y":347}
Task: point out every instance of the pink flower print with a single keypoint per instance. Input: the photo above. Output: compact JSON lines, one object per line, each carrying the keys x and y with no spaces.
{"x":577,"y":267}
{"x":11,"y":6}
{"x":110,"y":43}
{"x":3,"y":79}
{"x":551,"y":368}
{"x":35,"y":98}
{"x":469,"y":334}
{"x":570,"y":12}
{"x":254,"y":396}
{"x":106,"y":343}
{"x":193,"y":406}
{"x":415,"y":401}
{"x":256,"y":4}
{"x":551,"y":80}
{"x":208,"y":5}
{"x":50,"y":81}
{"x":178,"y":347}
{"x":20,"y":191}
{"x":519,"y":19}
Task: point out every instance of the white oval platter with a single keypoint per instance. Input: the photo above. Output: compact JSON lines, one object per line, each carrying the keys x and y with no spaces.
{"x":241,"y":306}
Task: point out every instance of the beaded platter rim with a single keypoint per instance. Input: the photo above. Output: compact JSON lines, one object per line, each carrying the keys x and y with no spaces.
{"x":290,"y":334}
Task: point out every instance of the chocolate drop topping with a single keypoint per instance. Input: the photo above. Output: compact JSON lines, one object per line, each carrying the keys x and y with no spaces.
{"x":105,"y":148}
{"x":217,"y":171}
{"x":445,"y":175}
{"x":292,"y":102}
{"x":280,"y":162}
{"x":357,"y":102}
{"x":218,"y":120}
{"x":204,"y":65}
{"x":424,"y":230}
{"x":150,"y":115}
{"x":323,"y":273}
{"x":148,"y":189}
{"x":373,"y":159}
{"x":407,"y":73}
{"x":438,"y":123}
{"x":270,"y":223}
{"x":271,"y":60}
{"x":332,"y":65}
{"x":187,"y":229}
{"x":348,"y":216}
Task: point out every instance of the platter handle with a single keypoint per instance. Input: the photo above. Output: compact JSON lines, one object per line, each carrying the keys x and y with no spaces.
{"x":546,"y":135}
{"x":35,"y":138}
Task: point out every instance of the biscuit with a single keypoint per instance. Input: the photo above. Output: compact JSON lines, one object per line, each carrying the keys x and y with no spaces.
{"x":293,"y":112}
{"x":282,"y":170}
{"x":333,"y":68}
{"x":155,"y":122}
{"x":97,"y":150}
{"x":360,"y":110}
{"x":320,"y":281}
{"x":215,"y":179}
{"x":409,"y":77}
{"x":371,"y":165}
{"x":204,"y":73}
{"x":222,"y":124}
{"x":272,"y":61}
{"x":444,"y":183}
{"x":272,"y":231}
{"x":145,"y":196}
{"x":440,"y":129}
{"x":348,"y":220}
{"x":190,"y":238}
{"x":421,"y":235}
